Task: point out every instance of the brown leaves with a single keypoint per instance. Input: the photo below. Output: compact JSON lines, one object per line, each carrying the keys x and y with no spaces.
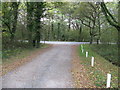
{"x":17,"y":63}
{"x":79,"y":73}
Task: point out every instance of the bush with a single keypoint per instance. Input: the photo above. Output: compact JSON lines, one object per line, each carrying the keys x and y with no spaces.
{"x":11,"y":49}
{"x":108,"y":51}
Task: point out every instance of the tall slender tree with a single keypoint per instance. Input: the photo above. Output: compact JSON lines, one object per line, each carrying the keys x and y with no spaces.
{"x":10,"y":16}
{"x":38,"y":15}
{"x":30,"y":9}
{"x":34,"y":14}
{"x":15,"y":6}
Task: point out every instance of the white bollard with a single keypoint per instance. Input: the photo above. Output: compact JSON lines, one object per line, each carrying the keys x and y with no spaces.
{"x":86,"y":54}
{"x":92,"y":61}
{"x":81,"y":47}
{"x":108,"y":80}
{"x":82,"y":50}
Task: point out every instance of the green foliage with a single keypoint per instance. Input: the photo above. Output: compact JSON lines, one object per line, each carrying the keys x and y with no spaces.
{"x":34,"y":14}
{"x":18,"y":53}
{"x":72,"y":35}
{"x":44,"y":17}
{"x":9,"y":17}
{"x":84,"y":9}
{"x":98,"y":73}
{"x":112,"y":35}
{"x":13,"y":49}
{"x":108,"y":51}
{"x":9,"y":53}
{"x":110,"y":16}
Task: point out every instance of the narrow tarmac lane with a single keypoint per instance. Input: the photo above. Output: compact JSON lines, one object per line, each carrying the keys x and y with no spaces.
{"x":48,"y":70}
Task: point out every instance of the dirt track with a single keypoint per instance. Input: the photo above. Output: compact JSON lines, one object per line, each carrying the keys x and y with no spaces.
{"x":50,"y":69}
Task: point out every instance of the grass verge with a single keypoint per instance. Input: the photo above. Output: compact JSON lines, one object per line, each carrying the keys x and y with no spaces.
{"x":21,"y":58}
{"x":24,"y":52}
{"x":108,"y":51}
{"x":98,"y":73}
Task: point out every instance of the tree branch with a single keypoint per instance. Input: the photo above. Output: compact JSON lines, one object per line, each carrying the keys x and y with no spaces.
{"x":108,"y":16}
{"x":88,"y":25}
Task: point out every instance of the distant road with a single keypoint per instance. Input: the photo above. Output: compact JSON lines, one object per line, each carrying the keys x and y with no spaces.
{"x":70,"y":43}
{"x":64,"y":42}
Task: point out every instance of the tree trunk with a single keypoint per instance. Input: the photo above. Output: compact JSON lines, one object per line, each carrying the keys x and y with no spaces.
{"x":58,"y":31}
{"x":119,"y":37}
{"x":38,"y":15}
{"x":91,"y":36}
{"x":15,"y":16}
{"x":37,"y":39}
{"x":91,"y":39}
{"x":80,"y":32}
{"x":98,"y":39}
{"x":69,"y":23}
{"x":52,"y":29}
{"x":49,"y":29}
{"x":30,"y":39}
{"x":29,"y":23}
{"x":12,"y":37}
{"x":118,"y":23}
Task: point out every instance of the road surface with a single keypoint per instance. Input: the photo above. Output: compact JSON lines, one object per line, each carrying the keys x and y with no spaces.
{"x":48,"y":70}
{"x":64,"y":42}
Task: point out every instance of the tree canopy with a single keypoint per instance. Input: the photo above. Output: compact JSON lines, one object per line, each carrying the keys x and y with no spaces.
{"x":64,"y":21}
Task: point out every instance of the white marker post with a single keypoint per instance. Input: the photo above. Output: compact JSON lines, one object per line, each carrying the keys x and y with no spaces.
{"x":108,"y":80}
{"x":86,"y":54}
{"x":92,"y":61}
{"x":81,"y":47}
{"x":82,"y":50}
